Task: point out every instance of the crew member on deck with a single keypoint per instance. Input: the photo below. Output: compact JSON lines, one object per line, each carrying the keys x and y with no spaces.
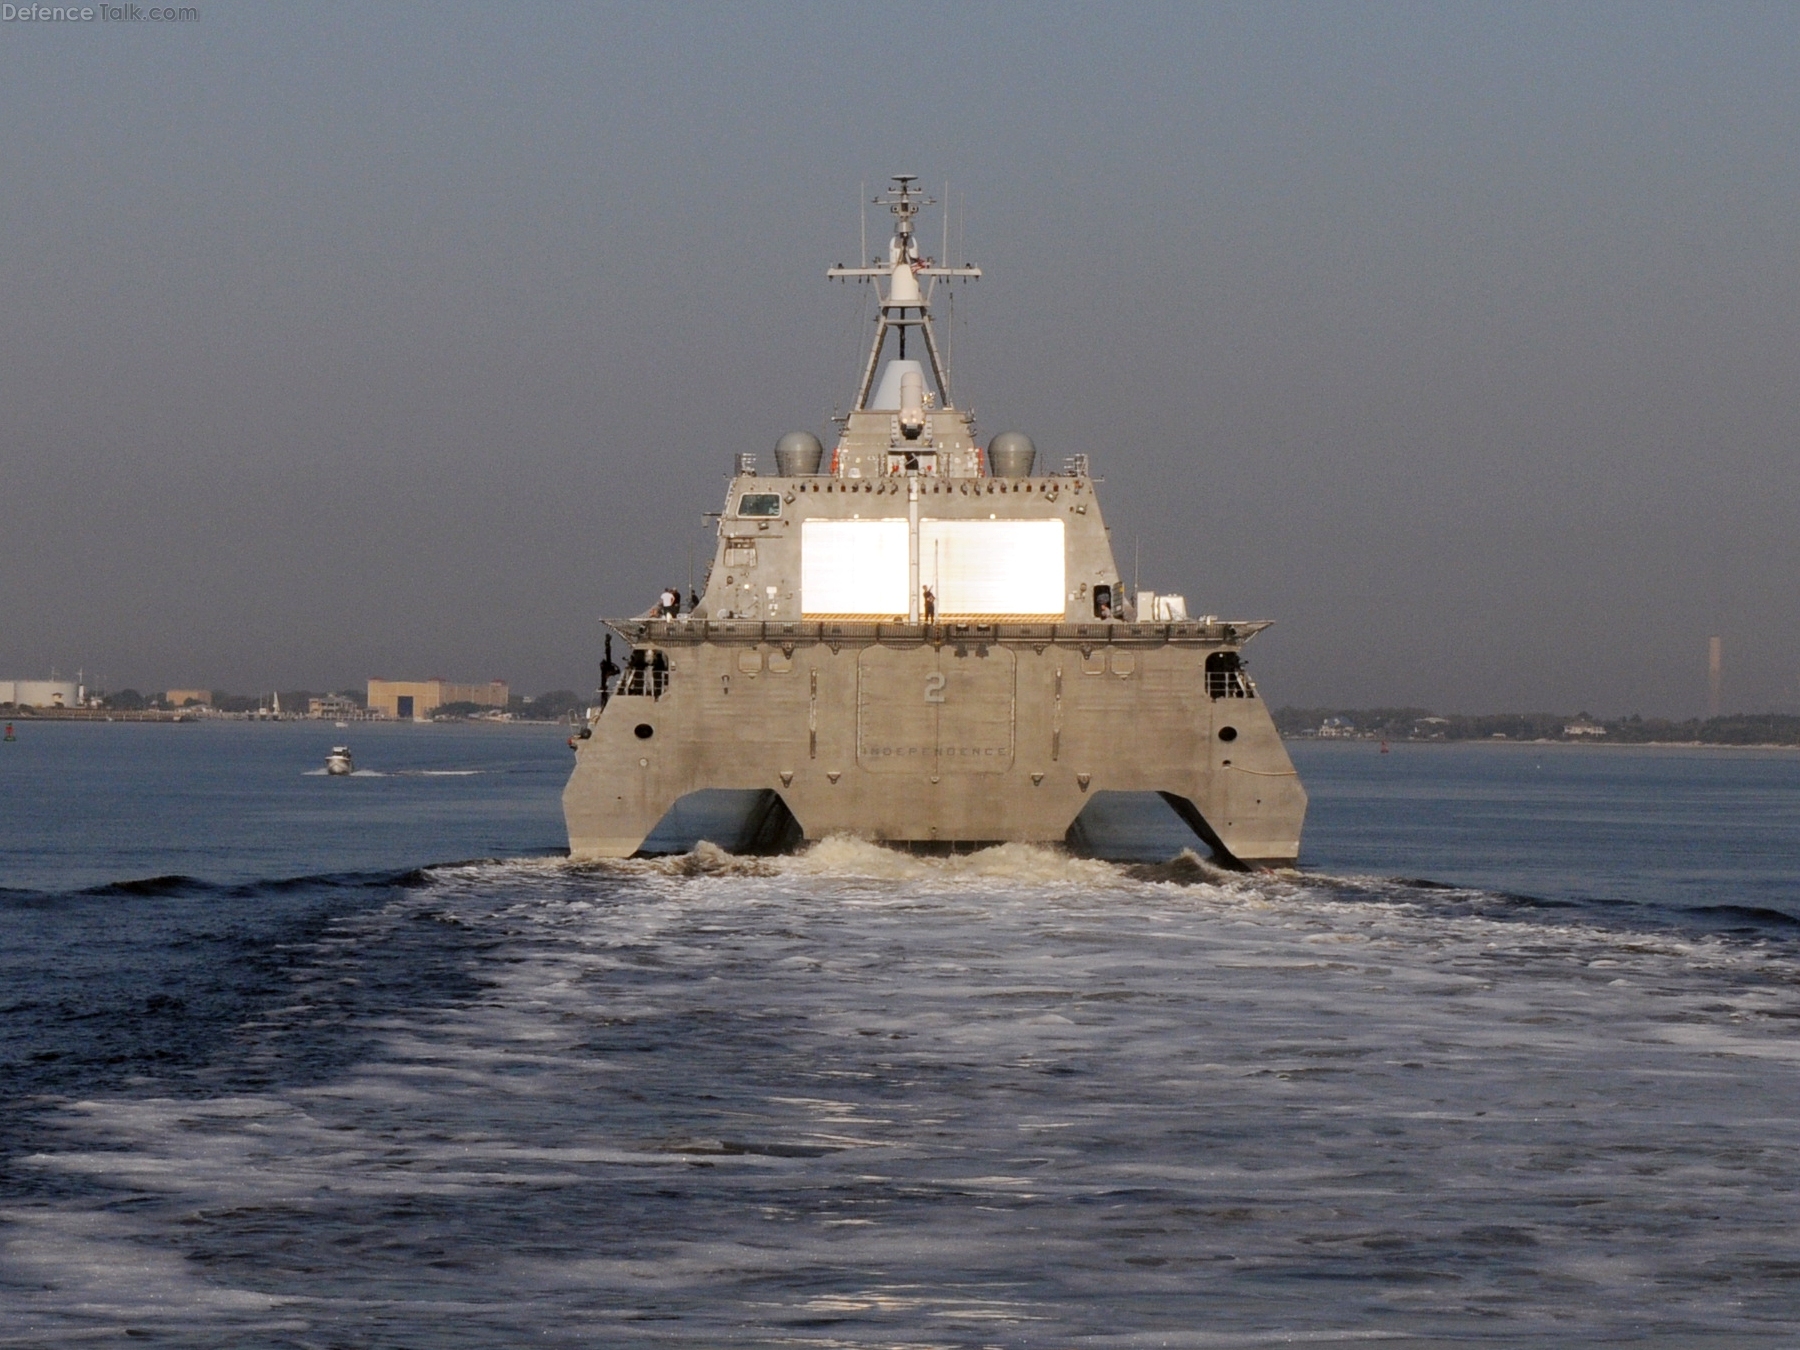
{"x":930,"y":606}
{"x":609,"y":670}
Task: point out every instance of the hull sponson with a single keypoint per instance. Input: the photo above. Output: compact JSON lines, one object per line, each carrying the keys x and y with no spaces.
{"x":947,"y":733}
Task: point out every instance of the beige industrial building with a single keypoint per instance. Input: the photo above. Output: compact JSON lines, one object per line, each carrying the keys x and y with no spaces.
{"x":180,"y":698}
{"x":410,"y":699}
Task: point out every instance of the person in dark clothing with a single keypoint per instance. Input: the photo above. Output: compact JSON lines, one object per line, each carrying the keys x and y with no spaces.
{"x":930,"y":606}
{"x":609,"y":671}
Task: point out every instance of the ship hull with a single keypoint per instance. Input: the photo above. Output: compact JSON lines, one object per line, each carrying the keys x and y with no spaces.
{"x":936,"y":735}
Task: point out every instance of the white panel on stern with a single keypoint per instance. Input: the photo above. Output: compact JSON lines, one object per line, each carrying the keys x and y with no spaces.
{"x":1011,"y":567}
{"x":853,"y":567}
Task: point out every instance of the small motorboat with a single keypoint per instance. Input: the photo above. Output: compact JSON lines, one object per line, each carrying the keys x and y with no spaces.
{"x":338,"y":763}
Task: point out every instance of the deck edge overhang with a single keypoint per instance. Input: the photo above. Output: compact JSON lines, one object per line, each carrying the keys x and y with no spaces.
{"x":752,"y":632}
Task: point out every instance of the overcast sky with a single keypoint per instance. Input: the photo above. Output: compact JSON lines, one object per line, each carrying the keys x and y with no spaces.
{"x":407,"y":340}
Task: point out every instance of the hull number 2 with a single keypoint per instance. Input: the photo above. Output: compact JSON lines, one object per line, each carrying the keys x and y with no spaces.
{"x":934,"y":687}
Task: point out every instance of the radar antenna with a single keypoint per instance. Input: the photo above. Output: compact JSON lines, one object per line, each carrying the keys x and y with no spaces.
{"x":903,"y":305}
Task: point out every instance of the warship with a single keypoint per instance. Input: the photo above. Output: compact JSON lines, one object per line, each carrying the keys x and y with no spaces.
{"x":926,"y":644}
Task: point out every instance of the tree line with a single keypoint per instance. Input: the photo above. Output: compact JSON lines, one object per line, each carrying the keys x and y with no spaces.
{"x":1421,"y":724}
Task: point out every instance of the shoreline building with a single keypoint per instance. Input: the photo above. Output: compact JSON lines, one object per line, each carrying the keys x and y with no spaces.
{"x":416,"y":700}
{"x":181,"y":698}
{"x":41,"y":693}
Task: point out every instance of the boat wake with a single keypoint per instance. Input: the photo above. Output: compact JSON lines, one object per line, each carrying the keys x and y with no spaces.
{"x":398,"y":773}
{"x":856,"y":1096}
{"x":853,"y":860}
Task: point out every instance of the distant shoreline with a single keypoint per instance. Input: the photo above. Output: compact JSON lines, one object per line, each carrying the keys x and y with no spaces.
{"x":40,"y":715}
{"x":190,"y":718}
{"x":1761,"y":730}
{"x":96,"y":715}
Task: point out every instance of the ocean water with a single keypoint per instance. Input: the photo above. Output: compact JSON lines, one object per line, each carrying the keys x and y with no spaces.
{"x":296,"y":1061}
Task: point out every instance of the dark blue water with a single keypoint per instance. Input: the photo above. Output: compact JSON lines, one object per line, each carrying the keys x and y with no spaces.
{"x":87,"y":803}
{"x":1686,"y":827}
{"x":297,"y":1061}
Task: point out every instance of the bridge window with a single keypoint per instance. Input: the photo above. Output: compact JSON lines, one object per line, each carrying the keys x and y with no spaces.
{"x":759,"y":504}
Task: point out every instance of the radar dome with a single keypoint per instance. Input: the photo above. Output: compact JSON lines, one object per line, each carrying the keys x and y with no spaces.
{"x":797,"y":455}
{"x":1011,"y":455}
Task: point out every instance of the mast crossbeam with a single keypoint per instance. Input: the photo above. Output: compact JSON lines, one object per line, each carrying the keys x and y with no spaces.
{"x":903,"y":305}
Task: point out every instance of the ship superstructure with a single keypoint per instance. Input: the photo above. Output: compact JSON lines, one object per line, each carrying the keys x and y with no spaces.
{"x":917,"y":642}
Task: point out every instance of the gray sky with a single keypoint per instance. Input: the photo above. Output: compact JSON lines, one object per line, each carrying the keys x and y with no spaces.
{"x":358,"y":340}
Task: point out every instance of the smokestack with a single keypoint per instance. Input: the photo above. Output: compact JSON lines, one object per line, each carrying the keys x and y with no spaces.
{"x":1714,"y":663}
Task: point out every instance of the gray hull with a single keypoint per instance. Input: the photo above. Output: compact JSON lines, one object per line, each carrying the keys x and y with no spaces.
{"x":939,"y":735}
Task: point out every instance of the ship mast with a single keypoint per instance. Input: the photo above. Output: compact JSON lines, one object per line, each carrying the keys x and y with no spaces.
{"x":903,"y":305}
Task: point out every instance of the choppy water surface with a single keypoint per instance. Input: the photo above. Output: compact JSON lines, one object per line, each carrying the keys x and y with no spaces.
{"x":855,"y":1098}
